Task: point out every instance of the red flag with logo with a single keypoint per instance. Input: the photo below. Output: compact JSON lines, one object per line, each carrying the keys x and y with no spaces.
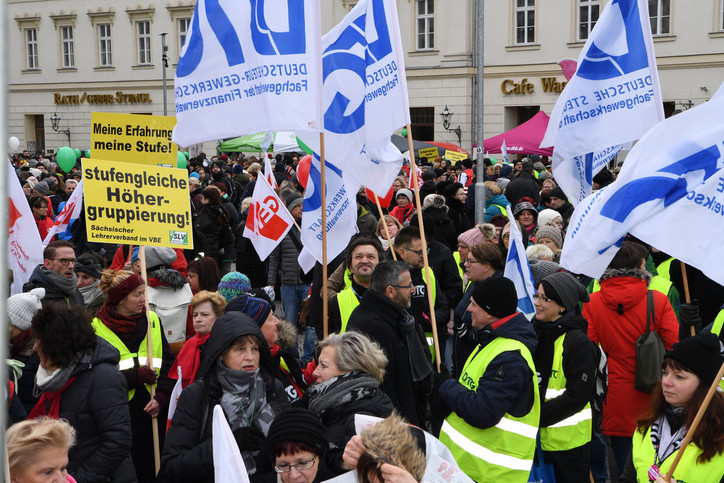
{"x":268,"y":220}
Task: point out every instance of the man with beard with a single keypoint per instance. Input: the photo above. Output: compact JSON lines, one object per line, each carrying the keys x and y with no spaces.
{"x":56,"y":275}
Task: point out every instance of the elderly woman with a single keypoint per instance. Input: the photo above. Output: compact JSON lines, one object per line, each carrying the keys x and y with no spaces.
{"x":236,"y":372}
{"x":405,"y":209}
{"x":123,"y":321}
{"x":78,"y":381}
{"x":348,"y":376}
{"x":206,"y":308}
{"x":38,"y":451}
{"x":526,"y":214}
{"x":393,"y":226}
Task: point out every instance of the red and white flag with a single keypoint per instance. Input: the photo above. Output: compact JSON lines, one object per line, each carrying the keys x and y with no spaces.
{"x":71,"y":211}
{"x":25,"y":249}
{"x":269,"y":174}
{"x":177,"y":388}
{"x":268,"y":220}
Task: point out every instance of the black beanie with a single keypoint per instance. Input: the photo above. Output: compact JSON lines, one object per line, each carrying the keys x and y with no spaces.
{"x":702,"y":354}
{"x":297,"y":425}
{"x":557,"y":192}
{"x":497,"y":296}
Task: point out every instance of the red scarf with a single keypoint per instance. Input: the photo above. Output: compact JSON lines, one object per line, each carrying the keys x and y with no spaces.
{"x":122,"y":326}
{"x":54,"y":399}
{"x":189,"y":359}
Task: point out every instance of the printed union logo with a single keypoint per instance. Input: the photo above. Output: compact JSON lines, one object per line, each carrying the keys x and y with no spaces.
{"x":618,"y":45}
{"x":178,"y":237}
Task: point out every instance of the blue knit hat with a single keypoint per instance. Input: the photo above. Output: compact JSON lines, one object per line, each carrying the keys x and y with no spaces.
{"x":233,"y":284}
{"x":256,"y":308}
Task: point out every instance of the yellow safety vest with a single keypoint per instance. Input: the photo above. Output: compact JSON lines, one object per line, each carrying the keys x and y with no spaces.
{"x":127,"y":357}
{"x":431,"y":286}
{"x":575,"y":430}
{"x":505,"y":451}
{"x":503,"y":211}
{"x":664,"y":269}
{"x":456,"y":256}
{"x":347,"y":301}
{"x":716,"y":329}
{"x":687,"y":471}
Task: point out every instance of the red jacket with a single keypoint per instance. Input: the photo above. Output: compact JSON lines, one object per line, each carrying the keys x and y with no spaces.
{"x":616,"y":318}
{"x":44,"y":226}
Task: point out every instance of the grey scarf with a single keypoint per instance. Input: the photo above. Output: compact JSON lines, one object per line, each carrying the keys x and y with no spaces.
{"x":341,"y":390}
{"x":66,"y":285}
{"x":51,"y":381}
{"x":419,"y":359}
{"x":90,"y":292}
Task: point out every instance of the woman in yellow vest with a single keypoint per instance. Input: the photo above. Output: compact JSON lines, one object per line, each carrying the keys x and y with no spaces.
{"x":566,"y":361}
{"x":689,"y":369}
{"x":123,"y":321}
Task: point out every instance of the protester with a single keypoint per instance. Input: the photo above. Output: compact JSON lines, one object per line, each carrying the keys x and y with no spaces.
{"x":455,"y":200}
{"x":38,"y":451}
{"x":523,"y":186}
{"x":204,"y":274}
{"x":495,"y":201}
{"x":560,"y":203}
{"x":39,"y":206}
{"x":236,"y":372}
{"x":435,"y":208}
{"x":526,"y":214}
{"x":88,"y":272}
{"x":56,"y":275}
{"x":20,"y":311}
{"x":689,"y":370}
{"x":405,"y":209}
{"x":566,"y":361}
{"x":78,"y":381}
{"x":123,"y":321}
{"x":393,"y":226}
{"x":212,"y":226}
{"x":548,"y":217}
{"x":348,"y":376}
{"x":467,"y":239}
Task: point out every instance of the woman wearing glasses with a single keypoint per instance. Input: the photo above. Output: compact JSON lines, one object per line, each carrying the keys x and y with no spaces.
{"x":483,"y":261}
{"x":566,"y":361}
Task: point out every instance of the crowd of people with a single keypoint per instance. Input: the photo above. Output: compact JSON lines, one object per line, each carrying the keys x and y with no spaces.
{"x":96,"y":349}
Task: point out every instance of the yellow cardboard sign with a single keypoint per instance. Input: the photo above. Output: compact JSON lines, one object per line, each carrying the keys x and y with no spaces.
{"x":133,"y":138}
{"x":454,"y":156}
{"x":136,"y":204}
{"x":429,"y":153}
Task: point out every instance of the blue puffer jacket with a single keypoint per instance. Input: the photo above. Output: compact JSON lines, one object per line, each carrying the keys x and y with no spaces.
{"x":493,"y":204}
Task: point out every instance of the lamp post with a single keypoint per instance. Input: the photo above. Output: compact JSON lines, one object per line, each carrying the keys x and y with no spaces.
{"x":55,"y":124}
{"x":446,"y":115}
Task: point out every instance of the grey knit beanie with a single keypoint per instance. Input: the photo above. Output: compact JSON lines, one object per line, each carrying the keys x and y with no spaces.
{"x":541,"y":269}
{"x":552,"y":232}
{"x":565,"y":289}
{"x":22,"y":307}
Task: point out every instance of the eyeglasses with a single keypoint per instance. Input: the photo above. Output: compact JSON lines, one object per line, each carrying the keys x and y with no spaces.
{"x":65,"y":261}
{"x":470,"y":261}
{"x":419,"y":252}
{"x":542,"y":298}
{"x":411,"y":286}
{"x":301,"y":465}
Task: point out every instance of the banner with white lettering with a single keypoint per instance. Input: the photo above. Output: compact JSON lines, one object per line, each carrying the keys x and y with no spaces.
{"x":240,"y":57}
{"x":614,"y":93}
{"x":364,"y":95}
{"x":268,"y":220}
{"x":669,"y":193}
{"x":575,"y":176}
{"x":25,"y":249}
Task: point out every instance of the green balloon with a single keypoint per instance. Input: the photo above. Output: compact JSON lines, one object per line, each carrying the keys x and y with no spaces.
{"x":66,"y":158}
{"x":77,"y":153}
{"x":404,"y":132}
{"x":181,"y":160}
{"x":186,"y":153}
{"x":87,"y":153}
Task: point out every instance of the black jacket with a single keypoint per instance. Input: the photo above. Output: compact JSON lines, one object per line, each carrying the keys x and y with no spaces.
{"x":420,"y":306}
{"x":446,"y":271}
{"x":378,"y":318}
{"x":458,"y":214}
{"x":524,"y":185}
{"x":208,"y":225}
{"x":444,"y":227}
{"x":52,"y":293}
{"x":188,"y":450}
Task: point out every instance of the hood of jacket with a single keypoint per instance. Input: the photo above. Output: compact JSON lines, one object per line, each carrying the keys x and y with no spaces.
{"x":226,"y":329}
{"x":499,"y":200}
{"x":518,"y":327}
{"x":167,"y":277}
{"x":624,"y":287}
{"x":104,"y":352}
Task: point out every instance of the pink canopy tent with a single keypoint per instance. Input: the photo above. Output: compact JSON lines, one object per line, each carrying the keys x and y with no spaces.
{"x":524,"y":139}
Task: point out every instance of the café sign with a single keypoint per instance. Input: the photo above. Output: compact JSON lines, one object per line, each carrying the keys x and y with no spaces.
{"x":524,"y":86}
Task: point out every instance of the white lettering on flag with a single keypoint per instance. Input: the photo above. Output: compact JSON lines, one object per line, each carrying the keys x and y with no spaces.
{"x":517,"y":269}
{"x":575,"y":176}
{"x":268,"y":220}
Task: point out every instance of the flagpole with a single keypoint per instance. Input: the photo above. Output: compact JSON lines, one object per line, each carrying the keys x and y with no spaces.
{"x":430,"y":301}
{"x":384,"y":225}
{"x":149,"y":359}
{"x":687,"y":295}
{"x":323,"y":194}
{"x":695,"y":422}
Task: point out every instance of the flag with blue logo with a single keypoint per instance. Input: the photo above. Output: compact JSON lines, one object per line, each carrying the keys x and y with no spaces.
{"x":669,"y":193}
{"x":504,"y":152}
{"x":517,"y":269}
{"x":613,"y":98}
{"x":364,"y":95}
{"x":341,"y":208}
{"x":246,"y":67}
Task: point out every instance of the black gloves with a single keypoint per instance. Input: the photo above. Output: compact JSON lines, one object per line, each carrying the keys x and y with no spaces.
{"x":439,"y":377}
{"x":689,"y":314}
{"x":249,"y":439}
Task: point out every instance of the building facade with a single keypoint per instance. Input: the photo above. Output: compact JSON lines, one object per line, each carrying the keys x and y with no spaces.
{"x":73,"y":57}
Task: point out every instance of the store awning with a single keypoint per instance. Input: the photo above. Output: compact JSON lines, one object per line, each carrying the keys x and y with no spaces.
{"x":284,"y":141}
{"x":524,"y":139}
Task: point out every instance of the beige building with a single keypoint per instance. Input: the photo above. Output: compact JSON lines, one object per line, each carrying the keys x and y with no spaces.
{"x":73,"y":57}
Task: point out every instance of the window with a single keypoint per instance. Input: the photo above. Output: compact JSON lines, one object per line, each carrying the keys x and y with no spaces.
{"x":31,"y":47}
{"x":721,"y":15}
{"x":349,"y":5}
{"x":183,"y":28}
{"x":660,"y":15}
{"x":524,"y":21}
{"x":422,"y":122}
{"x":143,"y":32}
{"x":66,"y":47}
{"x":105,"y":58}
{"x":588,"y":11}
{"x":425,"y":24}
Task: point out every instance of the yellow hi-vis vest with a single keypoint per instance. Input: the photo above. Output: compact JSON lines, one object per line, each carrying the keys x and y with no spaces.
{"x":504,"y":452}
{"x":716,"y":329}
{"x":575,"y":430}
{"x":664,"y":269}
{"x":347,"y":301}
{"x":431,"y":286}
{"x":127,"y":357}
{"x":456,"y":256}
{"x":687,"y":471}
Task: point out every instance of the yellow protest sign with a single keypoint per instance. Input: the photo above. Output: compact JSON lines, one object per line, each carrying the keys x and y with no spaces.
{"x":429,"y":153}
{"x":136,"y":204}
{"x":133,"y":138}
{"x":454,"y":156}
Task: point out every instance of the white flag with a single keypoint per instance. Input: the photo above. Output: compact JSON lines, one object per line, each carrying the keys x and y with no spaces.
{"x":504,"y":152}
{"x":71,"y":211}
{"x":25,"y":249}
{"x":228,"y":465}
{"x":669,"y":193}
{"x":614,"y":93}
{"x":177,"y":388}
{"x":364,"y":95}
{"x":268,"y":220}
{"x":341,"y":209}
{"x":241,"y":58}
{"x":575,"y":176}
{"x":517,"y":269}
{"x":269,"y":173}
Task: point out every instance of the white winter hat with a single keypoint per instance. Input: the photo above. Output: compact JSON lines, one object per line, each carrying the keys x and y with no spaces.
{"x":23,"y":306}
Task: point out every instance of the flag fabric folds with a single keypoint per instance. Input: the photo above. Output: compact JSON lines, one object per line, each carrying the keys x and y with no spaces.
{"x":268,"y":220}
{"x":669,"y":193}
{"x":269,"y":173}
{"x":517,"y":269}
{"x":240,"y":57}
{"x":504,"y":152}
{"x":71,"y":211}
{"x":228,"y":465}
{"x":614,"y":93}
{"x":25,"y":249}
{"x":177,"y":388}
{"x":364,"y":95}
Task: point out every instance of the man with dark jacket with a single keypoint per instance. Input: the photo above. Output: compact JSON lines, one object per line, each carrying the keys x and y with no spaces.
{"x":382,"y":316}
{"x":429,"y":187}
{"x":56,"y":275}
{"x":524,"y":185}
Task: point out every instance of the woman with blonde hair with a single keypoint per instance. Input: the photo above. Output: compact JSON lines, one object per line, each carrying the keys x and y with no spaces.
{"x":393,"y":226}
{"x":350,"y":370}
{"x":38,"y":451}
